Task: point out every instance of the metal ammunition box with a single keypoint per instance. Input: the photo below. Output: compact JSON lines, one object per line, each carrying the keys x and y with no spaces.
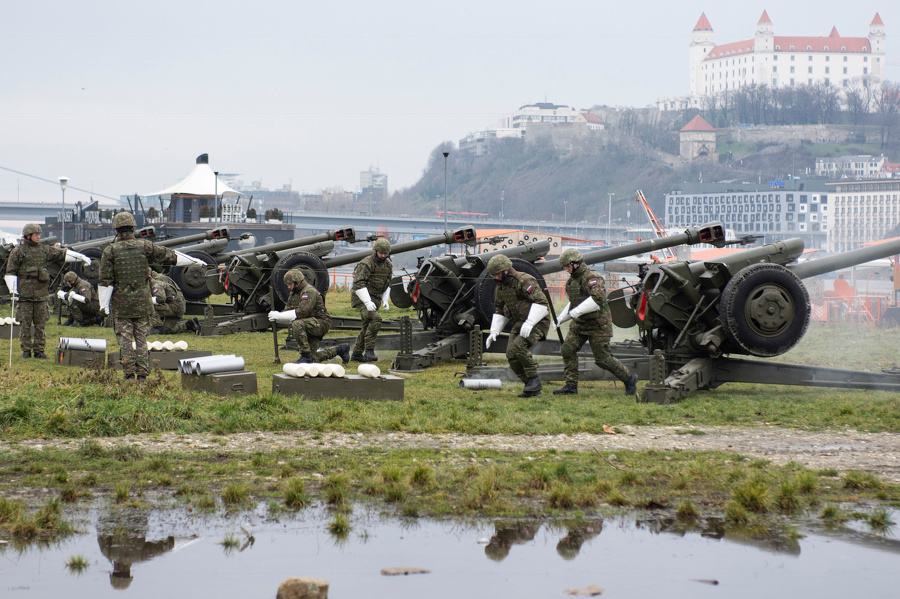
{"x":240,"y":382}
{"x":80,"y":357}
{"x":5,"y":333}
{"x":168,"y":360}
{"x":351,"y":386}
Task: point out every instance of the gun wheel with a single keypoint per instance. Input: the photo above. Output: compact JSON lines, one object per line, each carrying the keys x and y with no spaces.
{"x":314,"y":271}
{"x":484,"y":288}
{"x":91,"y":273}
{"x":192,"y":279}
{"x":764,"y":309}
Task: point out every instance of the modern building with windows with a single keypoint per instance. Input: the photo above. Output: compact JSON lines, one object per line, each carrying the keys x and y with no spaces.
{"x":862,"y":166}
{"x":862,"y":211}
{"x":780,"y":61}
{"x":776,"y":210}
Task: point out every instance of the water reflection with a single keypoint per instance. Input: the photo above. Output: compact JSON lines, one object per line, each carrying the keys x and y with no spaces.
{"x":577,"y":533}
{"x":123,"y":541}
{"x":508,"y":534}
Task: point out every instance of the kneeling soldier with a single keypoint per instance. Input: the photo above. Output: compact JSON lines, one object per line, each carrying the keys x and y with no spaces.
{"x":83,"y":302}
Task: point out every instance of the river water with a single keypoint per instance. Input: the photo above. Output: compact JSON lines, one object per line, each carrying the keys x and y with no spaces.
{"x":174,"y":554}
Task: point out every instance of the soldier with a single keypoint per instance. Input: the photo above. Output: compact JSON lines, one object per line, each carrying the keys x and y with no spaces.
{"x":591,"y":322}
{"x":168,"y":307}
{"x":518,"y":298}
{"x":28,"y":281}
{"x":371,"y":277}
{"x":309,"y":320}
{"x":80,"y":295}
{"x":125,"y":291}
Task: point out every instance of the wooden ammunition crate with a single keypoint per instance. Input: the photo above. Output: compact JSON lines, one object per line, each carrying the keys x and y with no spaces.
{"x":351,"y":386}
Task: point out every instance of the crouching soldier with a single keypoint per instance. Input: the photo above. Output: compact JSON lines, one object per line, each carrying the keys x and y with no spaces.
{"x":168,"y":307}
{"x":309,"y":321}
{"x":83,"y":302}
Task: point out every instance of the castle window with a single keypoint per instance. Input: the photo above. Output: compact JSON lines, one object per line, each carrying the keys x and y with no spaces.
{"x":844,"y":49}
{"x":865,"y":58}
{"x":792,"y":47}
{"x":827,"y":70}
{"x":827,"y":57}
{"x":864,"y":49}
{"x":810,"y":58}
{"x":792,"y":69}
{"x":810,"y":70}
{"x":792,"y":56}
{"x":809,"y":48}
{"x":845,"y":70}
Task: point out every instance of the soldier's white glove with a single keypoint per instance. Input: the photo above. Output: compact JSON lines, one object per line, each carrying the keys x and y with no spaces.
{"x":153,"y":298}
{"x":535,"y":314}
{"x":12,"y":282}
{"x":105,"y":293}
{"x":497,"y":323}
{"x":564,"y":316}
{"x":363,"y":294}
{"x":72,"y":256}
{"x":384,"y":299}
{"x":286,"y":317}
{"x":185,"y":260}
{"x":585,"y":307}
{"x":61,"y":294}
{"x":76,"y":298}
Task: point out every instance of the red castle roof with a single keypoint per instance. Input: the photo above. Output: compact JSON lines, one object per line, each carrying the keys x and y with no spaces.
{"x":877,"y":20}
{"x":764,"y":18}
{"x":703,"y":23}
{"x":698,"y":123}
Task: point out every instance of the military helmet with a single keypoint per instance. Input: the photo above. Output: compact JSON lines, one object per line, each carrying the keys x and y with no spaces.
{"x":293,"y":277}
{"x":31,"y":229}
{"x":69,"y":278}
{"x":570,"y":256}
{"x":498,"y":264}
{"x":123,"y":219}
{"x":382,"y":245}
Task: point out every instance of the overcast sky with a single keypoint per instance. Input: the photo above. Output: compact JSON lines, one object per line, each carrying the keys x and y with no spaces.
{"x":122,"y":96}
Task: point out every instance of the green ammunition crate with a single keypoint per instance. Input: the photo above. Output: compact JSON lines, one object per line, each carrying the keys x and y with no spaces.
{"x":80,"y":357}
{"x":238,"y":382}
{"x":5,"y":333}
{"x":168,"y":360}
{"x":351,"y":386}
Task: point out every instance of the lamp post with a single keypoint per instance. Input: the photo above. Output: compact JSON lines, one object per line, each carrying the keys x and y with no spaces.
{"x":216,"y":207}
{"x":565,"y":212}
{"x":63,"y":183}
{"x":502,"y":192}
{"x":609,"y":220}
{"x":445,"y":189}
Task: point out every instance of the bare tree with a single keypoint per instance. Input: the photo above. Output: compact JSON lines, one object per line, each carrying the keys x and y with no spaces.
{"x":887,"y":105}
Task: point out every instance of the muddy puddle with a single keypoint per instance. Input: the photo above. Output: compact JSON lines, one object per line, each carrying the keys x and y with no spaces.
{"x":170,"y":554}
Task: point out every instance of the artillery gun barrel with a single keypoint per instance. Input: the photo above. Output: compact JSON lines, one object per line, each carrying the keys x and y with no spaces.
{"x":846,"y":259}
{"x":212,"y":247}
{"x":344,"y":234}
{"x":462,"y":235}
{"x":780,"y":252}
{"x":712,"y":233}
{"x":218,"y":233}
{"x":101,"y":242}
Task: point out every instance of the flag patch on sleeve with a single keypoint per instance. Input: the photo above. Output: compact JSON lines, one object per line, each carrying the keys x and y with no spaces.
{"x":593,"y":282}
{"x":303,"y":297}
{"x":529,"y":289}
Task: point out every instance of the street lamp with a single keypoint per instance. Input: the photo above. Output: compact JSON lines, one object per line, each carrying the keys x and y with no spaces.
{"x":565,"y":213}
{"x":445,"y":189}
{"x":609,"y":220}
{"x":216,"y":206}
{"x":502,"y":192}
{"x":63,"y":183}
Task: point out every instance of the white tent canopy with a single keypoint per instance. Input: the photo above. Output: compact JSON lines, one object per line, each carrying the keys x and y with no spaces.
{"x":200,"y":182}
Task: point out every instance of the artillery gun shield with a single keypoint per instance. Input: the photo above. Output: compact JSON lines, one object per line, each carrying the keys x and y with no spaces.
{"x":91,"y":273}
{"x":192,"y":279}
{"x":619,"y":301}
{"x":314,"y":271}
{"x":764,"y":309}
{"x":484,"y":288}
{"x":400,"y":297}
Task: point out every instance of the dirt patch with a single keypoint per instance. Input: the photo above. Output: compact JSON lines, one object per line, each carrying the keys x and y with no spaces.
{"x":876,"y":453}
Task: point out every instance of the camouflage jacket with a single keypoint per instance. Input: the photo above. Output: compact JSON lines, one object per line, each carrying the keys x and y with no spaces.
{"x":583,"y":284}
{"x":169,"y":299}
{"x":309,"y":303}
{"x":514,"y":295}
{"x":28,"y":261}
{"x":85,"y":289}
{"x":372,"y":275}
{"x":124,"y":267}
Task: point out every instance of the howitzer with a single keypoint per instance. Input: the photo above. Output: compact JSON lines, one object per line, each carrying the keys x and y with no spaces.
{"x":191,"y":279}
{"x":691,"y":316}
{"x":454,"y":295}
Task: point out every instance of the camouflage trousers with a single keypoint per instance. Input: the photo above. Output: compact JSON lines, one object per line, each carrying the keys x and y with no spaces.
{"x":33,"y":317}
{"x":170,"y":326}
{"x":84,"y":313}
{"x":371,"y":324}
{"x":602,"y":355}
{"x":135,"y":358}
{"x":518,"y":349}
{"x":309,"y":333}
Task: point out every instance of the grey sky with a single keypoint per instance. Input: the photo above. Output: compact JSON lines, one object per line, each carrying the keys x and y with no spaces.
{"x":122,"y":96}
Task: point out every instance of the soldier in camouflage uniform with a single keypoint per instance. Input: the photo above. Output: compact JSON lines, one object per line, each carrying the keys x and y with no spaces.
{"x":82,"y":300}
{"x":591,"y":322}
{"x":28,"y":281}
{"x":518,"y":298}
{"x":309,"y":320}
{"x":371,"y":278}
{"x":168,"y":307}
{"x":125,"y":291}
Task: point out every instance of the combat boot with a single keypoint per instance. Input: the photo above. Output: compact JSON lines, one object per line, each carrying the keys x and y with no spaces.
{"x":41,"y":355}
{"x":370,"y":356}
{"x":193,"y":325}
{"x":26,"y":354}
{"x":532,"y":387}
{"x":156,"y":331}
{"x":305,"y":359}
{"x":631,"y":385}
{"x":77,"y":324}
{"x":356,"y":357}
{"x":343,"y":352}
{"x":569,"y":389}
{"x":69,"y":322}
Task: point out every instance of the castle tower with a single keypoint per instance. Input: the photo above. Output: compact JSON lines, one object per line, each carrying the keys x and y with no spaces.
{"x":877,"y":46}
{"x":701,"y":43}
